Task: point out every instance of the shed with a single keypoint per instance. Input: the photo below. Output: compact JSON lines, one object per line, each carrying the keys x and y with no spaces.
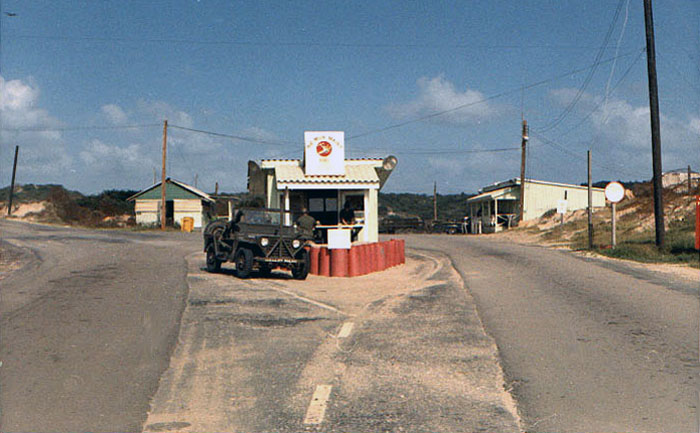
{"x":181,"y":200}
{"x":496,"y":207}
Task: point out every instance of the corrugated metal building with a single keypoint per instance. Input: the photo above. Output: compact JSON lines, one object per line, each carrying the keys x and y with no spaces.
{"x":497,"y":206}
{"x":181,"y":200}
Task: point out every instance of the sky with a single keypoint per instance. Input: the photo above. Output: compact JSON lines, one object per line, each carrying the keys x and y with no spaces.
{"x":443,"y":85}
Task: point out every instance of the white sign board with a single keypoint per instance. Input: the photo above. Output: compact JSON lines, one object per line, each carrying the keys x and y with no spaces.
{"x":339,"y":239}
{"x":324,"y":153}
{"x":561,"y":206}
{"x":614,"y":192}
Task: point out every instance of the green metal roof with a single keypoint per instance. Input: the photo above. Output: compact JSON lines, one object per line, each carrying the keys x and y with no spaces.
{"x":174,"y":190}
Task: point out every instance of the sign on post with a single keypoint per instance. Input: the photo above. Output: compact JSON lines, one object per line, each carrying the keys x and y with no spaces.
{"x":614,"y":192}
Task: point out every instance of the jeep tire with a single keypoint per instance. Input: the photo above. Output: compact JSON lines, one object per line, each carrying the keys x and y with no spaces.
{"x":301,"y":269}
{"x":244,"y":263}
{"x":213,"y":264}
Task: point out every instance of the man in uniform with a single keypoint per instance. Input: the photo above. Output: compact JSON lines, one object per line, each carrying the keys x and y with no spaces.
{"x":306,"y":224}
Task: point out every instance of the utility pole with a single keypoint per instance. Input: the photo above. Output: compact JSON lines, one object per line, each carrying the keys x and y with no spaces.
{"x":434,"y":201}
{"x":216,"y":189}
{"x":690,"y":184}
{"x":196,"y":178}
{"x":655,"y":127}
{"x":162,"y":184}
{"x":12,"y":184}
{"x":155,"y":177}
{"x":525,"y":138}
{"x":590,"y":204}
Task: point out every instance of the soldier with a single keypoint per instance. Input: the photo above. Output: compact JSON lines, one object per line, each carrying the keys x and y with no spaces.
{"x":306,"y":223}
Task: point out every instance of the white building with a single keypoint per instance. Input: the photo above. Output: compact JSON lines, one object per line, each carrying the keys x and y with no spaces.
{"x":181,"y":200}
{"x":497,"y":206}
{"x":323,"y":182}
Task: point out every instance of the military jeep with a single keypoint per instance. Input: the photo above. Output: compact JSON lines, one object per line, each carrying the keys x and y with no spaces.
{"x":256,"y":240}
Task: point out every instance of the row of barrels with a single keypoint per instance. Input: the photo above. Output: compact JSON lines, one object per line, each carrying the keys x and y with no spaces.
{"x":360,"y":259}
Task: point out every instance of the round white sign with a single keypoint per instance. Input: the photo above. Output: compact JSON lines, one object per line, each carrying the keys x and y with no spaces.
{"x":614,"y":192}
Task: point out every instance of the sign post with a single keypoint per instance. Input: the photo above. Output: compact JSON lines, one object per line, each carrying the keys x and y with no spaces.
{"x":561,"y":210}
{"x":697,"y":222}
{"x":614,"y":192}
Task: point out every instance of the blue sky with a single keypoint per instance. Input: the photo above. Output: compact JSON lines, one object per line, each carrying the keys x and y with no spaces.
{"x":383,"y":72}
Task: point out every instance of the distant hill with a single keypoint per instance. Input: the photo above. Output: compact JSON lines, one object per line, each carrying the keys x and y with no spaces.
{"x":449,"y":207}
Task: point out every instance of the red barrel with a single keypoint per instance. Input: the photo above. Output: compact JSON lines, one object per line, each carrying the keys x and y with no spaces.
{"x":339,"y":262}
{"x":391,"y":253}
{"x":324,"y":262}
{"x":364,"y":259}
{"x":374,"y":257}
{"x":381,"y":256}
{"x":402,"y":251}
{"x":354,"y":263}
{"x":313,"y":256}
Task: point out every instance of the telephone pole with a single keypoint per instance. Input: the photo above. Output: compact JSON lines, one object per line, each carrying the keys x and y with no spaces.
{"x":655,"y":127}
{"x":434,"y":201}
{"x":12,"y":184}
{"x":590,"y":204}
{"x":162,"y":184}
{"x":525,"y":138}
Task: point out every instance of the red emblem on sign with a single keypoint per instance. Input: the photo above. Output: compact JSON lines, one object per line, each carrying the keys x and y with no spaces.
{"x":324,"y":148}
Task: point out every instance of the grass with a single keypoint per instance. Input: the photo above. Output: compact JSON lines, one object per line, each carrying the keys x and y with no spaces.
{"x":679,"y":245}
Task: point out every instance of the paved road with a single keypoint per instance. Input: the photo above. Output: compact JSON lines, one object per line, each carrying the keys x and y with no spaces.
{"x":402,"y":351}
{"x":87,"y":326}
{"x":587,"y":345}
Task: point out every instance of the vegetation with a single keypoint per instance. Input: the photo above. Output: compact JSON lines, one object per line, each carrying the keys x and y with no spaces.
{"x":451,"y":207}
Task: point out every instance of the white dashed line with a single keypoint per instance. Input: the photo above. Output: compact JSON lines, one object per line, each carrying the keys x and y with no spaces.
{"x":346,"y":330}
{"x":317,"y":407}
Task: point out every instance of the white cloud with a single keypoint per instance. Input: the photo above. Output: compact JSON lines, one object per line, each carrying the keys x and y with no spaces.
{"x":436,"y":95}
{"x":159,"y":111}
{"x":114,"y":114}
{"x":43,"y":156}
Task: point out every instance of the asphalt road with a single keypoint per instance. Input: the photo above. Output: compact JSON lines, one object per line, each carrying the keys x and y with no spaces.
{"x":587,"y":345}
{"x":87,"y":326}
{"x":402,"y":350}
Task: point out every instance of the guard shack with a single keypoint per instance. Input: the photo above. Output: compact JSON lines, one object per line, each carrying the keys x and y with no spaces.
{"x":324,"y":182}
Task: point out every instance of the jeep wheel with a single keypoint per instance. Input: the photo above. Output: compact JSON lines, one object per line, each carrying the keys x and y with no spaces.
{"x":213,"y":264}
{"x":301,"y":270}
{"x":244,"y":263}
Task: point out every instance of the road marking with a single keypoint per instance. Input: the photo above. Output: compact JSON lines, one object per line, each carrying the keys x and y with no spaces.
{"x":346,"y":330}
{"x":317,"y":407}
{"x":307,"y":300}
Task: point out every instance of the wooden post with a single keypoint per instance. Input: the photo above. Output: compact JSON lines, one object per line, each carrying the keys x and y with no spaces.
{"x":162,"y":185}
{"x":655,"y":125}
{"x":522,"y":170}
{"x":12,"y":184}
{"x":690,"y":184}
{"x":216,"y":189}
{"x":590,"y":204}
{"x":434,"y":201}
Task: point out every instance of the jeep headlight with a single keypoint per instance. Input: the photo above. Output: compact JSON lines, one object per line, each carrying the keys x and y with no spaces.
{"x":296,"y":243}
{"x":264,"y":242}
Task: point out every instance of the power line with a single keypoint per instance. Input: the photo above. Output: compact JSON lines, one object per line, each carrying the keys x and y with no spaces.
{"x":589,"y":77}
{"x":78,"y":128}
{"x":489,"y":98}
{"x":619,"y":82}
{"x":562,"y":148}
{"x":234,"y":137}
{"x":299,"y":43}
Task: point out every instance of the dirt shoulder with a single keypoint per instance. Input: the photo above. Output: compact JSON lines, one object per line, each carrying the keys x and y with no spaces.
{"x":528,"y":236}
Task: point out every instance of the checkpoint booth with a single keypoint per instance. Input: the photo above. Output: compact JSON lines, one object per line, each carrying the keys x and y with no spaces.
{"x":324,"y":182}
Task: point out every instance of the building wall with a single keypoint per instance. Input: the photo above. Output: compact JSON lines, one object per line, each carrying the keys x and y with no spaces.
{"x":147,"y":212}
{"x":540,"y":198}
{"x":678,"y":177}
{"x":188,"y":208}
